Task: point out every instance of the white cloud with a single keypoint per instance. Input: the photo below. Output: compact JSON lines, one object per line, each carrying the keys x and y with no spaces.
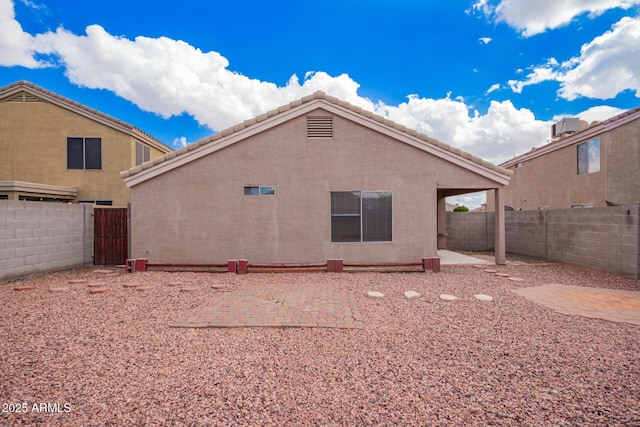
{"x":493,"y":88}
{"x":16,"y":46}
{"x":171,"y":77}
{"x":606,"y":66}
{"x":535,"y":17}
{"x":180,"y":142}
{"x":599,"y":113}
{"x":485,"y":40}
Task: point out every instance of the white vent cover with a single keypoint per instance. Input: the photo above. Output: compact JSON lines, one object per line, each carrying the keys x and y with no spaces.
{"x":320,"y":127}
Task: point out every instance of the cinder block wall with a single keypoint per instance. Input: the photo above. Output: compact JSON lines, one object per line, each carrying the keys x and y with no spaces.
{"x":38,"y":236}
{"x":605,"y":239}
{"x":602,"y":238}
{"x":470,"y":231}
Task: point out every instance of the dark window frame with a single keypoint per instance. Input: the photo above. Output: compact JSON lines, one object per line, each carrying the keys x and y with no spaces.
{"x":259,"y":190}
{"x":361,"y":216}
{"x":84,"y":153}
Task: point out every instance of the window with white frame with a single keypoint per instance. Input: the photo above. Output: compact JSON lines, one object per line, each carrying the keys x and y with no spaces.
{"x":589,"y":156}
{"x":143,"y":153}
{"x":361,"y":216}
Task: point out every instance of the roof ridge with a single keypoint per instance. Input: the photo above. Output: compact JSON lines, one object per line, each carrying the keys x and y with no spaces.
{"x":76,"y":104}
{"x":304,"y":100}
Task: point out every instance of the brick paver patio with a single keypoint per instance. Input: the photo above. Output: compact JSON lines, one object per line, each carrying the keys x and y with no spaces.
{"x":598,"y":303}
{"x":283,"y":305}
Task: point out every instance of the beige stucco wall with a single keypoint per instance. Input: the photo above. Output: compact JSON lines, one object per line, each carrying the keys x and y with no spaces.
{"x":551,"y":180}
{"x":197,"y":213}
{"x":33,"y":143}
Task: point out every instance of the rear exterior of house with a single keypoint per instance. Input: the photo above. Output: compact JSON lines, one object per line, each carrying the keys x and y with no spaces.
{"x":596,"y":166}
{"x":314,"y":180}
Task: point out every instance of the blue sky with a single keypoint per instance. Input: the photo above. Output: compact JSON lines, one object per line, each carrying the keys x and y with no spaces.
{"x":488,"y":76}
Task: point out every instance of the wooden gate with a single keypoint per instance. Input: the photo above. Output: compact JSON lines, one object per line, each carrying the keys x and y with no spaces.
{"x":110,"y":245}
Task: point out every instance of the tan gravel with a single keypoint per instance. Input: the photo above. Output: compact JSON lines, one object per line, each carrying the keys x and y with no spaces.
{"x":111,"y":359}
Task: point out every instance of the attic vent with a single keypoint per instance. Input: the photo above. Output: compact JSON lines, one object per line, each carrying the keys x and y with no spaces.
{"x":31,"y":98}
{"x":319,"y":127}
{"x":22,"y":97}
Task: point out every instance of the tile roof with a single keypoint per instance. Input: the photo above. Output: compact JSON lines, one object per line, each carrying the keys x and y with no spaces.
{"x":218,"y":137}
{"x":592,"y":131}
{"x":47,"y":95}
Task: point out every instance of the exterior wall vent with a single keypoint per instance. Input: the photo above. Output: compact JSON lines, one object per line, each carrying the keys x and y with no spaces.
{"x":320,"y":127}
{"x":565,"y":127}
{"x":22,"y":97}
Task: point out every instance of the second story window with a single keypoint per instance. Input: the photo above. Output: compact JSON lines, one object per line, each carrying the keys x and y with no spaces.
{"x":84,"y":153}
{"x":143,"y":153}
{"x":589,"y":157}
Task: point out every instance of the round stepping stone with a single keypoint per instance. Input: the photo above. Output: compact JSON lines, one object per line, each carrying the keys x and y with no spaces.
{"x":176,"y":284}
{"x":99,"y":290}
{"x":447,"y":297}
{"x":483,"y":297}
{"x":130,"y":285}
{"x":516,"y":279}
{"x":374,"y":294}
{"x":95,"y":284}
{"x":24,"y":288}
{"x":103,"y":271}
{"x":189,"y":289}
{"x":490,"y":270}
{"x":61,"y":289}
{"x":411,"y":294}
{"x":76,"y":281}
{"x":502,"y":274}
{"x":144,"y":288}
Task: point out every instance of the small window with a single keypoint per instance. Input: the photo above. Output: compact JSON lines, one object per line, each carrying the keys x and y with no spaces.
{"x":4,"y":197}
{"x":84,"y":153}
{"x":361,"y":216}
{"x":262,"y":190}
{"x":97,"y":202}
{"x":582,"y":205}
{"x":589,"y":157}
{"x":143,"y":153}
{"x":320,"y":127}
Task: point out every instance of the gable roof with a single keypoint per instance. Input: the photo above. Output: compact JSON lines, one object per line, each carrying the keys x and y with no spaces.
{"x":592,"y":131}
{"x":24,"y":91}
{"x":298,"y":108}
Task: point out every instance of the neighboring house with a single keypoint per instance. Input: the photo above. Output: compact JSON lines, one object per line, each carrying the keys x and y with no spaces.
{"x":55,"y":149}
{"x":313,"y":180}
{"x":584,"y":166}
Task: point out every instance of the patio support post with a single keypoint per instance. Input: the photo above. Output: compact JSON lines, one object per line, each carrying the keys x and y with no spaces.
{"x":499,"y":227}
{"x":442,"y":222}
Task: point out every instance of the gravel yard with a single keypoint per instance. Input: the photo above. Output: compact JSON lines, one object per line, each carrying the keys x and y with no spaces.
{"x":111,"y":358}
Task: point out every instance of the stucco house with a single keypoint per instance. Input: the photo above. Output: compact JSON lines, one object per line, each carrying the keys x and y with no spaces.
{"x":313,"y":180}
{"x":585,"y":165}
{"x":55,"y":149}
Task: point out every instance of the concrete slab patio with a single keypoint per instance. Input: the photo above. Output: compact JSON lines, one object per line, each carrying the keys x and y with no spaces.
{"x":456,"y":258}
{"x":277,"y":305}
